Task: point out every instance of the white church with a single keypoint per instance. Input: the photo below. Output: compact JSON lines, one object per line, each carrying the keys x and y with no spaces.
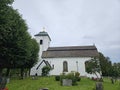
{"x":62,"y":59}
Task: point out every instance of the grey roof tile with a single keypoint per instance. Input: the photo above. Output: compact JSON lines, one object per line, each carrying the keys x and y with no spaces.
{"x":71,"y":51}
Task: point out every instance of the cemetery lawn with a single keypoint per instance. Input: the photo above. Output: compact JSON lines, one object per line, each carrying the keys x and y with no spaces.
{"x":49,"y":82}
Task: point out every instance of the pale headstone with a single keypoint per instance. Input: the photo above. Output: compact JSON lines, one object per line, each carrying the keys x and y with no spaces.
{"x":67,"y":82}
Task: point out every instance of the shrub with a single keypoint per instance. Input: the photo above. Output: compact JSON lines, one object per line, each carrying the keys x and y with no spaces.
{"x":78,"y":79}
{"x":57,"y":78}
{"x":77,"y":76}
{"x":45,"y":70}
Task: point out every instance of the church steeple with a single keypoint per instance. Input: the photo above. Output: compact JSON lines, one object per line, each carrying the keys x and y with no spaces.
{"x":43,"y":33}
{"x":43,"y":40}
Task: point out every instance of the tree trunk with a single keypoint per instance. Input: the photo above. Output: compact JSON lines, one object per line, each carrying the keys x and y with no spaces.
{"x":1,"y":71}
{"x":8,"y":72}
{"x":22,"y":73}
{"x":29,"y":73}
{"x":96,"y":75}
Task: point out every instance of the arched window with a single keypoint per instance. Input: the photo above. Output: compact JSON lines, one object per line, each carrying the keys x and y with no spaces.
{"x":65,"y":66}
{"x":41,"y":42}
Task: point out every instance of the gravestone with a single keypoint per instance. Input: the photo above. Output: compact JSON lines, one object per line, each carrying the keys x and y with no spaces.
{"x":44,"y":89}
{"x":8,"y":80}
{"x":112,"y":80}
{"x":3,"y":82}
{"x":67,"y":82}
{"x":99,"y":86}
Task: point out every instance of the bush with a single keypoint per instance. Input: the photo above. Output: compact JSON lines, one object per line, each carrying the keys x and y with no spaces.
{"x":77,"y":76}
{"x":57,"y":78}
{"x":78,"y":79}
{"x":45,"y":70}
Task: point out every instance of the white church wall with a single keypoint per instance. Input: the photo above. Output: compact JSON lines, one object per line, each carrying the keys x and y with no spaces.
{"x":44,"y":46}
{"x":93,"y":75}
{"x":38,"y":71}
{"x":72,"y":65}
{"x":33,"y":70}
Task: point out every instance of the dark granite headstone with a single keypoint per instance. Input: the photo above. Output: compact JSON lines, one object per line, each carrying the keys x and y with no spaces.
{"x":99,"y":86}
{"x":44,"y":89}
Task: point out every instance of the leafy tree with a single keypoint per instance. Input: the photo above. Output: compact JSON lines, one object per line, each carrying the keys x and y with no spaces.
{"x":92,"y":66}
{"x":5,"y":19}
{"x":115,"y":70}
{"x":32,"y":56}
{"x":105,"y":64}
{"x":34,"y":49}
{"x":17,"y":50}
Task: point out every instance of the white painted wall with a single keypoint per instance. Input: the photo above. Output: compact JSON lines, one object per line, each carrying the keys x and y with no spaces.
{"x":45,"y":45}
{"x":72,"y":65}
{"x":39,"y":70}
{"x":33,"y":70}
{"x":58,"y":66}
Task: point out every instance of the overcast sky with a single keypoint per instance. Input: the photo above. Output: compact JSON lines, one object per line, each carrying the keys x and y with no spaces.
{"x":76,"y":22}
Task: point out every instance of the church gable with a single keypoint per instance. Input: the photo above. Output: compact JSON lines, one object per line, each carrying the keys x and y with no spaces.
{"x":45,"y":62}
{"x":73,"y":51}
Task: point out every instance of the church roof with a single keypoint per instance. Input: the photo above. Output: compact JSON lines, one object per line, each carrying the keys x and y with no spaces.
{"x":71,"y":51}
{"x":43,"y":33}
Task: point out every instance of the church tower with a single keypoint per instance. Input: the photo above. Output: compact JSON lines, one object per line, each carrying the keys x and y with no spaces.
{"x":43,"y":40}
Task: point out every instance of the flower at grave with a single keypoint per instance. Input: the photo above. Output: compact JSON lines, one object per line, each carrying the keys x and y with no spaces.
{"x":5,"y":89}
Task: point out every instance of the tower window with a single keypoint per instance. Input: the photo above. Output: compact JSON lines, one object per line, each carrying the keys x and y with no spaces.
{"x":41,"y":42}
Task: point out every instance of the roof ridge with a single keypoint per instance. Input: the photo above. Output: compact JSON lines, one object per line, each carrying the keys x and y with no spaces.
{"x":69,"y":48}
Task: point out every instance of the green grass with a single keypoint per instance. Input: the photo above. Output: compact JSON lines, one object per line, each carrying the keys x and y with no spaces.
{"x":49,"y":82}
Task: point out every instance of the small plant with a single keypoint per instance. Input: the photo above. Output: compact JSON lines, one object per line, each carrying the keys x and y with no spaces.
{"x":77,"y":76}
{"x":57,"y":78}
{"x":45,"y":70}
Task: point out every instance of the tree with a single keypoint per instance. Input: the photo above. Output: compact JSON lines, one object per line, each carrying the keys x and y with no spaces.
{"x":17,"y":49}
{"x":105,"y":64}
{"x":4,"y":29}
{"x":115,"y":71}
{"x":92,"y":66}
{"x":34,"y":49}
{"x":32,"y":57}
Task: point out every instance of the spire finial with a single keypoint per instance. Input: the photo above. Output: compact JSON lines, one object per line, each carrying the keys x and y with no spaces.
{"x":43,"y":29}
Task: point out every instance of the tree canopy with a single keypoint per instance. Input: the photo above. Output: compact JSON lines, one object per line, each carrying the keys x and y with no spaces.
{"x":93,"y":66}
{"x":104,"y":65}
{"x":17,"y":48}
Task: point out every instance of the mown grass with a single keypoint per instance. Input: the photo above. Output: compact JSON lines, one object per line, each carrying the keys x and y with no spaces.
{"x":49,"y":82}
